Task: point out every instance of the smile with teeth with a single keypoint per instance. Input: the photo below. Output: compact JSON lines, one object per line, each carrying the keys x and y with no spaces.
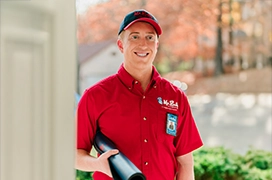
{"x":141,"y":54}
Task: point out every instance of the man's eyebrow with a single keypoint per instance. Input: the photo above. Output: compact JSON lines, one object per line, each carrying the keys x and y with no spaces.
{"x":134,"y":33}
{"x":153,"y":33}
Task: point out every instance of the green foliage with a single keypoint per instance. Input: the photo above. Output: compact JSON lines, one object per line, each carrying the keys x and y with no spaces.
{"x":260,"y":164}
{"x":81,"y":175}
{"x":163,"y":67}
{"x":259,"y":159}
{"x":218,"y":163}
{"x":185,"y":66}
{"x":215,"y":164}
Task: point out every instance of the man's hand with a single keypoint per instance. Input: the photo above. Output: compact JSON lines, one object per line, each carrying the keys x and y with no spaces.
{"x":86,"y":162}
{"x":104,"y":163}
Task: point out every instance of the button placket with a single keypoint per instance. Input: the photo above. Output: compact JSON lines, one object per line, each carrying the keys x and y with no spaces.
{"x":145,"y":135}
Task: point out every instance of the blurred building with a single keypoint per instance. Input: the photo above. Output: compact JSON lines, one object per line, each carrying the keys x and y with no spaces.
{"x":97,"y":61}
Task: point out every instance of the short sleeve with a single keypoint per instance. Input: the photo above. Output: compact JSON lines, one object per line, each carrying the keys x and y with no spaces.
{"x":85,"y":124}
{"x":188,"y":137}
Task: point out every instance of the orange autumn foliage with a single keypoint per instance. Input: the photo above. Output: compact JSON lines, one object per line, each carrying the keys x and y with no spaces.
{"x":188,"y":25}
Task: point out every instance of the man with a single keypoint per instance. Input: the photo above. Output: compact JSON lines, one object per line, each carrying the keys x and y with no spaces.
{"x":134,"y":107}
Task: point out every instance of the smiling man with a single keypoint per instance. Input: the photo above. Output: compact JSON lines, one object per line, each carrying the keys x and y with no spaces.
{"x":139,"y":44}
{"x":134,"y":108}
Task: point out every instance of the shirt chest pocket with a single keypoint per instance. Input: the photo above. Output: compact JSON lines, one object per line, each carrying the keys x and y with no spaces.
{"x":160,"y":126}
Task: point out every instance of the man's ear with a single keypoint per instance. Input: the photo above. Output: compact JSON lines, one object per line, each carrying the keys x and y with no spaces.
{"x":158,"y":44}
{"x":120,"y":45}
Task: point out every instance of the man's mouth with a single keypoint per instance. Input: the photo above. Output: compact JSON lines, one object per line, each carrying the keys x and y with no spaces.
{"x":141,"y":54}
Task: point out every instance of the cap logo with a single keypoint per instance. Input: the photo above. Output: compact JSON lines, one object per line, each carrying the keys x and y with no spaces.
{"x":140,"y":14}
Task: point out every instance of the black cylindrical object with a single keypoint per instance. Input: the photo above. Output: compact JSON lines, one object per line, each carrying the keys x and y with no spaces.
{"x":121,"y":167}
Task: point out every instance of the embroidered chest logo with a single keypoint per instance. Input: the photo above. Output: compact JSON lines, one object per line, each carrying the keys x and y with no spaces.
{"x":168,"y":104}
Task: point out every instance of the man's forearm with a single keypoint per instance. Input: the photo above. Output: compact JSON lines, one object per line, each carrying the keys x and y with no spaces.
{"x":185,"y":167}
{"x":185,"y":173}
{"x":85,"y":162}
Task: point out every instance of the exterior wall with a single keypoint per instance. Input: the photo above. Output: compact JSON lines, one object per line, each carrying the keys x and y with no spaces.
{"x":105,"y":63}
{"x":38,"y":70}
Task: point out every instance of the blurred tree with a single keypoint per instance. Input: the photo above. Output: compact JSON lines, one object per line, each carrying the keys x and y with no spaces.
{"x":219,"y":47}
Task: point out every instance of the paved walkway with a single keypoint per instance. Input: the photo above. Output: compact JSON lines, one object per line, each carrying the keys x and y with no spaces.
{"x":234,"y":121}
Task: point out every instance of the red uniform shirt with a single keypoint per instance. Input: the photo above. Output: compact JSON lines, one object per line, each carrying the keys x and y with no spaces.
{"x":136,"y":122}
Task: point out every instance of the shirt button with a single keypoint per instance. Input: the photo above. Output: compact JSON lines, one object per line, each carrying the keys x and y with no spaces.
{"x":144,"y":118}
{"x":145,"y":140}
{"x":136,"y":82}
{"x":146,"y":163}
{"x":143,"y":97}
{"x":155,"y":86}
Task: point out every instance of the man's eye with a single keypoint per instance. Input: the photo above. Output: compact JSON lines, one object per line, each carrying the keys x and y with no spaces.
{"x":134,"y":37}
{"x":151,"y":38}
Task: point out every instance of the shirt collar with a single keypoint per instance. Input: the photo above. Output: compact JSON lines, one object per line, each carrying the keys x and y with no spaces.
{"x":129,"y":81}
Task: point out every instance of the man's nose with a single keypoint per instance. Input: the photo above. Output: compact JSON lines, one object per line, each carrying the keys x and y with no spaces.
{"x":143,"y":42}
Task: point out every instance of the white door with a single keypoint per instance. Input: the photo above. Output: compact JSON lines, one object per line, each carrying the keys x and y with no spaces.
{"x":38,"y":77}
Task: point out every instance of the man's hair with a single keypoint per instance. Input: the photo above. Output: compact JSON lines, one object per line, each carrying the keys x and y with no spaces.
{"x":121,"y":36}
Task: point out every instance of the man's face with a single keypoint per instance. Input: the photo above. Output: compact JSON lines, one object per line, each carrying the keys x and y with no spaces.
{"x":139,"y":45}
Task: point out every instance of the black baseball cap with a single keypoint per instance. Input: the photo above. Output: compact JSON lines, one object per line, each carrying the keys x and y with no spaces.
{"x":140,"y":15}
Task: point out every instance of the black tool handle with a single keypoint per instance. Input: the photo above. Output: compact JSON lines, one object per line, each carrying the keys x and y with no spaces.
{"x":121,"y":167}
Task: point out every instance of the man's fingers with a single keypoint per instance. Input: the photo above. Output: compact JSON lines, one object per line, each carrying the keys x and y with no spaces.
{"x":110,"y":153}
{"x":103,"y":158}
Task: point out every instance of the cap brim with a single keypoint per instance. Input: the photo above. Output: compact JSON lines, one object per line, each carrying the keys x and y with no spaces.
{"x":148,"y":20}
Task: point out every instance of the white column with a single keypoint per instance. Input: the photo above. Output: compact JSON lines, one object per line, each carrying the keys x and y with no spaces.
{"x":38,"y":81}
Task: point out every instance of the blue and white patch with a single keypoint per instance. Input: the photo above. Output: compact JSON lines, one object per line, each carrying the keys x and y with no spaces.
{"x":159,"y":100}
{"x":171,"y":124}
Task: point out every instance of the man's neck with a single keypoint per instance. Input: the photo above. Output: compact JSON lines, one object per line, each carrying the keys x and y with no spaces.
{"x":144,"y":79}
{"x":142,"y":75}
